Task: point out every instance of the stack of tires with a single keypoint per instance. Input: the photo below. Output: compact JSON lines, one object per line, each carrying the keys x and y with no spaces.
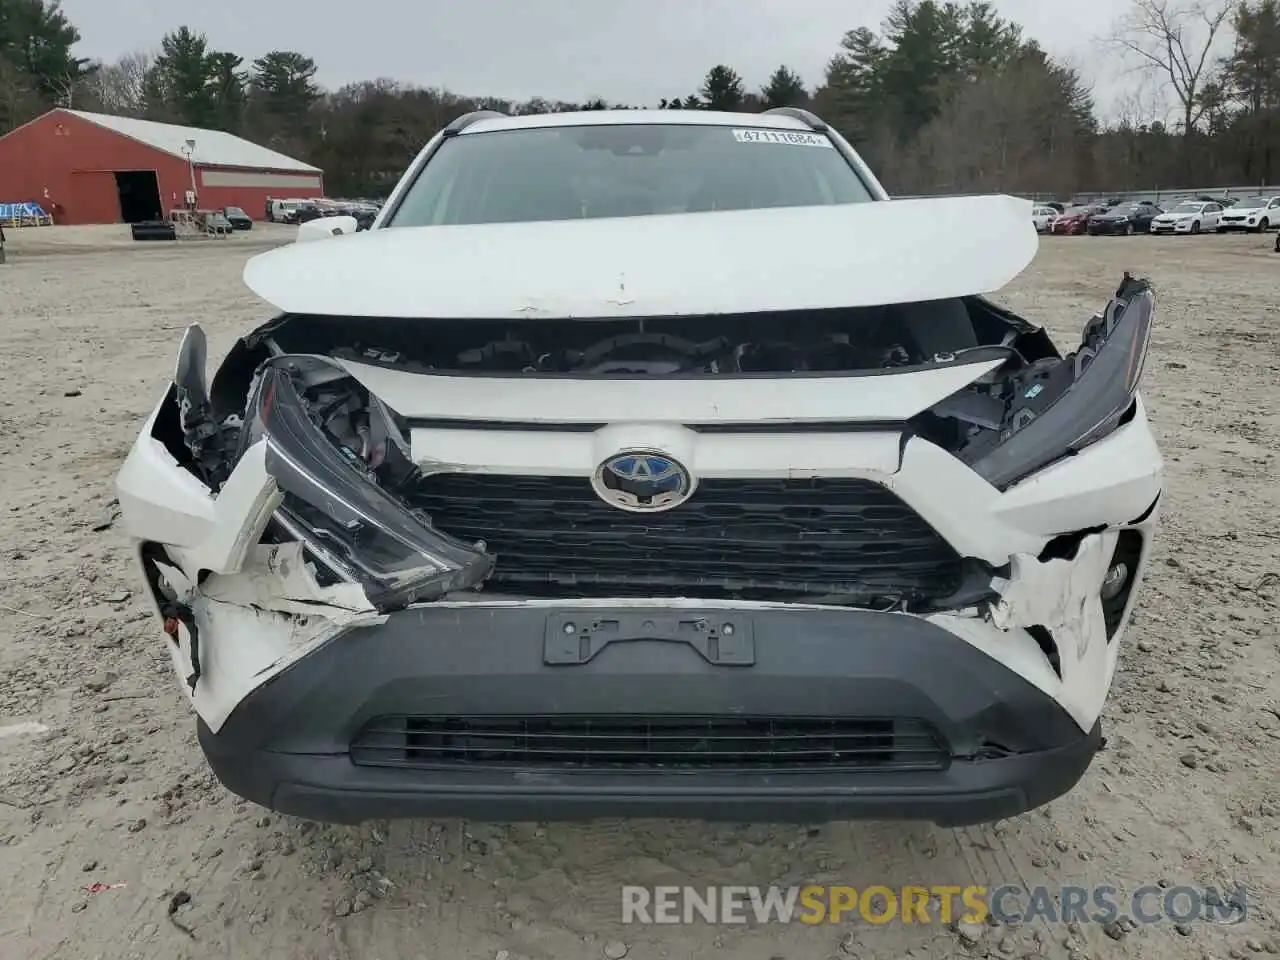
{"x":153,"y":230}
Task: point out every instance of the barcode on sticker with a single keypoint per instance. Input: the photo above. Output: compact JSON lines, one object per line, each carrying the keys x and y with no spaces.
{"x":792,"y":137}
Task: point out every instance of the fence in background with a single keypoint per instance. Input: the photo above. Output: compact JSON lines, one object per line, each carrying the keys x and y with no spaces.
{"x":1093,"y":196}
{"x":1272,"y":190}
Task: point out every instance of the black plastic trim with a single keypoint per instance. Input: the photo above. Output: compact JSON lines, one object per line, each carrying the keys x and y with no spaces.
{"x":810,"y":120}
{"x":286,"y":746}
{"x":1142,"y":518}
{"x":467,"y":119}
{"x":970,"y":357}
{"x":517,"y":426}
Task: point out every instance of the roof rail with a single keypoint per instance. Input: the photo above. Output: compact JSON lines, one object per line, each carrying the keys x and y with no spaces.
{"x":810,"y":120}
{"x":467,"y":119}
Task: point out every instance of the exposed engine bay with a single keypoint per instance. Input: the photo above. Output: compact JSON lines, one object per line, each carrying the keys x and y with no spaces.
{"x":827,"y":341}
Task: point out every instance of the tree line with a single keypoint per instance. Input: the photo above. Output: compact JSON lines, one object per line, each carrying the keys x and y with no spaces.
{"x":947,"y":96}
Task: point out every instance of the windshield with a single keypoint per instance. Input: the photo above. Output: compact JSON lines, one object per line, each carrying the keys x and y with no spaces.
{"x":1248,"y":203}
{"x":235,"y":212}
{"x":624,"y":170}
{"x":1188,"y":208}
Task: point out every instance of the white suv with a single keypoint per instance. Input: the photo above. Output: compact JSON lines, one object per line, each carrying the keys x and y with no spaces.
{"x":1255,"y":214}
{"x":650,"y":463}
{"x":1042,"y":217}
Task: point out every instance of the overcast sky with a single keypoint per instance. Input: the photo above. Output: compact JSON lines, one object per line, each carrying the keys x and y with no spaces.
{"x":635,"y":51}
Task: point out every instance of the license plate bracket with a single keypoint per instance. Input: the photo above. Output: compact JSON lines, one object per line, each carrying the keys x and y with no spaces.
{"x":575,"y":637}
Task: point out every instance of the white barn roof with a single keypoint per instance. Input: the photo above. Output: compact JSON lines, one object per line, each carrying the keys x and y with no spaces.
{"x":214,"y":148}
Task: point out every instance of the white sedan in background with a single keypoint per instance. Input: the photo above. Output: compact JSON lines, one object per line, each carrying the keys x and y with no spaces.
{"x":1190,"y":216}
{"x":1042,"y":216}
{"x":1255,"y":214}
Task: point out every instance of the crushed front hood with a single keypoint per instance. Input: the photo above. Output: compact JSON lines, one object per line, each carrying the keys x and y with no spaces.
{"x":749,"y":261}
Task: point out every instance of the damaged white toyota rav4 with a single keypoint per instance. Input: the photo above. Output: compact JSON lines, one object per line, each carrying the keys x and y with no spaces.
{"x":650,"y":463}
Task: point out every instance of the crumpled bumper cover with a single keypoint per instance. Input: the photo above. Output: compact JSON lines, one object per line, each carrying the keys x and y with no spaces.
{"x":1009,"y":746}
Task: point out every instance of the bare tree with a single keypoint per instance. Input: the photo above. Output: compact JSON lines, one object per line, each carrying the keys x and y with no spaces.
{"x":19,"y":100}
{"x":1137,"y":108}
{"x":1032,"y":135}
{"x":121,"y":87}
{"x":1175,"y":40}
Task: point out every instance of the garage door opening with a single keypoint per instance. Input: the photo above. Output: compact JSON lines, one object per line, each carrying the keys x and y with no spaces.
{"x":139,"y":194}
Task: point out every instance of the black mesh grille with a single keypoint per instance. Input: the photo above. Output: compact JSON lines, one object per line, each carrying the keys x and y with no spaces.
{"x":737,"y":538}
{"x":626,"y":742}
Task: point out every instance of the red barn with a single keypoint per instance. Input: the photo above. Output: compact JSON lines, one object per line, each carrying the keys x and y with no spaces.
{"x":95,"y":168}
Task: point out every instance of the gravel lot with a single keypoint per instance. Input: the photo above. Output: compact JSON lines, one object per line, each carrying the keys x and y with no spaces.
{"x":101,"y":779}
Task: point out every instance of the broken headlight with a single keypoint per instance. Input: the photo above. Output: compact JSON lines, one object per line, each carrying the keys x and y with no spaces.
{"x":333,"y":497}
{"x":1097,"y":393}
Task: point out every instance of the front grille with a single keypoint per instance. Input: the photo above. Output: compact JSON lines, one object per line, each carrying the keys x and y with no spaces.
{"x":748,"y":539}
{"x":638,"y":743}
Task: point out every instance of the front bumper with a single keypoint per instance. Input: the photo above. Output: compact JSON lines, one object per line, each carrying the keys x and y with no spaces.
{"x":1230,"y":226}
{"x":1181,"y":226}
{"x":1007,"y":746}
{"x":292,"y":670}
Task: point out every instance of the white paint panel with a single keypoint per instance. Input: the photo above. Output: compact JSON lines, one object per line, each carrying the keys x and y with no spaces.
{"x":877,"y":398}
{"x":275,"y":181}
{"x":723,"y":455}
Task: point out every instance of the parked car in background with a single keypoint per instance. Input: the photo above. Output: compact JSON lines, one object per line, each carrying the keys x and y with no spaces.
{"x":238,"y":218}
{"x":1126,"y":219}
{"x":1189,"y":216}
{"x":307,"y":211}
{"x":283,"y":211}
{"x":1075,"y":220}
{"x":1255,"y":214}
{"x":1042,"y":216}
{"x":365,"y":214}
{"x":216,"y":222}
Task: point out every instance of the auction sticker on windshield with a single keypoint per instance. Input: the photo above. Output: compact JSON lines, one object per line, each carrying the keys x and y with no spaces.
{"x":793,"y":137}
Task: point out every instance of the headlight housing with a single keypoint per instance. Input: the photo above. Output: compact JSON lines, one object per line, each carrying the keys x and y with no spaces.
{"x":1089,"y":394}
{"x":334,"y":498}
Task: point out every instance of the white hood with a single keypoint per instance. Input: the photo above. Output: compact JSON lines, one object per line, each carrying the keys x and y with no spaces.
{"x":786,"y":258}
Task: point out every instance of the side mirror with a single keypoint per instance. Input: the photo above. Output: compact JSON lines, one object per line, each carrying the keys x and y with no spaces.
{"x":322,"y":227}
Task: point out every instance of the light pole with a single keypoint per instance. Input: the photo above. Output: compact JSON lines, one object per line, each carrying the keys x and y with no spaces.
{"x":189,"y":148}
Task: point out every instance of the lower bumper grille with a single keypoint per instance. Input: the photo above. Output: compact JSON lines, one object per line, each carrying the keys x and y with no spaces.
{"x":749,"y":539}
{"x":639,"y":743}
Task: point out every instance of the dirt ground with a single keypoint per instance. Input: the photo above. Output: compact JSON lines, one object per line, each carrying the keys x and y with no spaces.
{"x":101,"y":779}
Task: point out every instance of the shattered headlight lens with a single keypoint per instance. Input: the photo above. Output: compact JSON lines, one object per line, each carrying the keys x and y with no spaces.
{"x":332,"y":495}
{"x":1101,"y":396}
